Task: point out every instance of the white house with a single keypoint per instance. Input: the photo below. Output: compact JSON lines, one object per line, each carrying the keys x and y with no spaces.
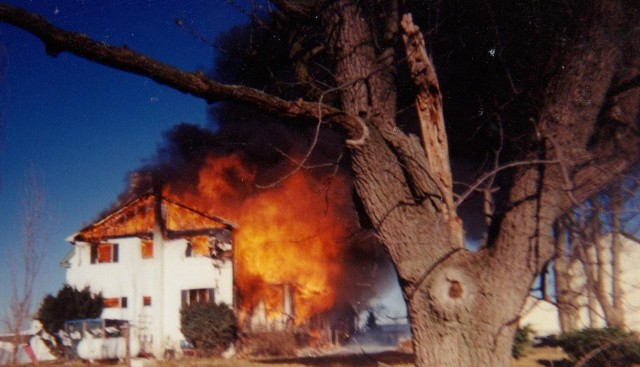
{"x":543,"y":316}
{"x":148,"y":259}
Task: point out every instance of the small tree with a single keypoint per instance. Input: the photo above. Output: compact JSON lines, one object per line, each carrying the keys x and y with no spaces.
{"x":210,"y":327}
{"x":69,"y":304}
{"x":34,"y":243}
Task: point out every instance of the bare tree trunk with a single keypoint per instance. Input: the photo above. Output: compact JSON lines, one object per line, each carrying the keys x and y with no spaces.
{"x":584,"y":252}
{"x":599,"y":287}
{"x":601,"y":265}
{"x":617,"y":318}
{"x":566,"y":297}
{"x":591,"y":254}
{"x":592,"y":309}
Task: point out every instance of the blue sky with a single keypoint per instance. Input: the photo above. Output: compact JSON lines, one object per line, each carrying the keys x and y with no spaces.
{"x":83,"y":127}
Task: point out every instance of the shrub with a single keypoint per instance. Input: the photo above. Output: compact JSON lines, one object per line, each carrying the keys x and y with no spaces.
{"x":68,"y":304}
{"x":521,"y":341}
{"x":210,"y":327}
{"x":619,"y":347}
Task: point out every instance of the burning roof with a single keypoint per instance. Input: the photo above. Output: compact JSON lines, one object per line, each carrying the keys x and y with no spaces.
{"x":139,"y":218}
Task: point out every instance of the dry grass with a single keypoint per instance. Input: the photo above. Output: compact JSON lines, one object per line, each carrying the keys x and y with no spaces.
{"x":536,"y":357}
{"x":395,"y":359}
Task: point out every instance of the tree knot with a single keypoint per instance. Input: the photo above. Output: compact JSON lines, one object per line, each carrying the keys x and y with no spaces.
{"x":452,"y":294}
{"x":455,"y":289}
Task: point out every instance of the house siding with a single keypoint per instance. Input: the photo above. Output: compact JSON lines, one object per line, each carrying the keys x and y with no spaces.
{"x":161,"y":277}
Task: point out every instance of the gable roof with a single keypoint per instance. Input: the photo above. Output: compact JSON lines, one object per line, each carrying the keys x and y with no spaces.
{"x":139,"y":218}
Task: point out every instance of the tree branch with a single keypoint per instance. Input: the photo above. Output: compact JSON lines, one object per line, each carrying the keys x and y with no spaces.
{"x":624,"y":87}
{"x":462,"y":197}
{"x":196,"y":84}
{"x":429,"y":108}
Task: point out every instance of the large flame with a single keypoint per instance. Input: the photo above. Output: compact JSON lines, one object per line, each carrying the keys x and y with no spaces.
{"x":289,"y":236}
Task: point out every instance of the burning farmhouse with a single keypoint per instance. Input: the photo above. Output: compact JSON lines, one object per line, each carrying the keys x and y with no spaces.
{"x":280,"y":267}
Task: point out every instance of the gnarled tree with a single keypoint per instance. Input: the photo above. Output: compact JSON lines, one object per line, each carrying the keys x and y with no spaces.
{"x":463,"y":305}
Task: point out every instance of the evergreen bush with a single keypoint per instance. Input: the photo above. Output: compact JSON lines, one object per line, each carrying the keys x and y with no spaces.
{"x":521,"y":341}
{"x":68,"y":304}
{"x":617,"y":347}
{"x":210,"y":327}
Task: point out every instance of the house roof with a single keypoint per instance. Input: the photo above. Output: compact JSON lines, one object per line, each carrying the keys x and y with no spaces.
{"x":138,"y":218}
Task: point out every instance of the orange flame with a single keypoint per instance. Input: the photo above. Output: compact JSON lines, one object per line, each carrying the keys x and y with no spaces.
{"x":289,"y":235}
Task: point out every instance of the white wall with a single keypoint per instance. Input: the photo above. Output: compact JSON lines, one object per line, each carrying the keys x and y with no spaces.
{"x":162,"y":277}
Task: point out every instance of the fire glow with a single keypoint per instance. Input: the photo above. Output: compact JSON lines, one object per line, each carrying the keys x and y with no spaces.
{"x":289,"y":235}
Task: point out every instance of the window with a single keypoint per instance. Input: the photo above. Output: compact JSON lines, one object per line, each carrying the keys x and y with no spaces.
{"x":146,"y":300}
{"x":204,"y":295}
{"x":146,"y":249}
{"x":104,"y":252}
{"x":111,"y":302}
{"x":115,"y":302}
{"x":198,"y":246}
